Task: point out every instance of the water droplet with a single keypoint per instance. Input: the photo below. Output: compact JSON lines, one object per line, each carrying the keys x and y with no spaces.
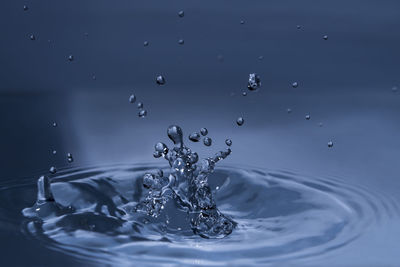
{"x":181,"y":14}
{"x":320,"y":124}
{"x":220,"y":58}
{"x":394,"y":89}
{"x":325,"y":37}
{"x":228,"y":142}
{"x":244,"y":93}
{"x":254,"y":82}
{"x":295,"y":84}
{"x":308,"y":117}
{"x":32,"y":37}
{"x":242,"y":22}
{"x":53,"y":170}
{"x":70,"y":57}
{"x":240,"y":121}
{"x":54,"y":124}
{"x":86,"y":34}
{"x":70,"y":159}
{"x":94,"y":77}
{"x":175,"y":133}
{"x":54,"y":152}
{"x":203,"y":131}
{"x":289,"y":110}
{"x":207,"y":141}
{"x":139,"y":105}
{"x":145,"y":43}
{"x":217,"y":188}
{"x":298,"y":27}
{"x":142,"y":113}
{"x":260,"y":57}
{"x":160,"y":80}
{"x":25,"y":8}
{"x":132,"y":99}
{"x":181,"y":41}
{"x":330,"y":144}
{"x":194,"y":137}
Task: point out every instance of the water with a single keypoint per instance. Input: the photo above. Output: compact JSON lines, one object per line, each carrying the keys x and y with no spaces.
{"x":280,"y":216}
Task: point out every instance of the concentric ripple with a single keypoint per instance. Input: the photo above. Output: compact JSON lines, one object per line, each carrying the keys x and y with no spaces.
{"x":280,"y":216}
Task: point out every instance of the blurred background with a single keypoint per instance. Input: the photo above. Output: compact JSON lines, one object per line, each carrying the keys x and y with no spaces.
{"x":347,"y":84}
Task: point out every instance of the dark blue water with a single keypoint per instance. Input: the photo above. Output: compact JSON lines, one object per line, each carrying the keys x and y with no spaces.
{"x":296,"y":201}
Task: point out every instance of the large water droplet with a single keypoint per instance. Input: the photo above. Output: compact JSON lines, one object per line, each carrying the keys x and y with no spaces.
{"x":175,"y":134}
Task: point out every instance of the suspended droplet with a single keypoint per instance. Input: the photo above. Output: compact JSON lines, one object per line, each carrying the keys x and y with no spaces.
{"x":70,"y":57}
{"x":54,"y":124}
{"x":295,"y":84}
{"x":132,"y":99}
{"x":240,"y":121}
{"x":289,"y":110}
{"x":260,"y":57}
{"x":181,"y":41}
{"x":394,"y":89}
{"x":25,"y":8}
{"x":298,"y":27}
{"x":194,"y":137}
{"x":161,"y":147}
{"x":228,"y":142}
{"x":244,"y":93}
{"x":32,"y":37}
{"x":320,"y":124}
{"x":70,"y":159}
{"x":254,"y":82}
{"x":207,"y":141}
{"x":242,"y":22}
{"x":203,"y":131}
{"x":53,"y":170}
{"x":175,"y":133}
{"x":325,"y":37}
{"x":142,"y":113}
{"x":94,"y":77}
{"x":308,"y":117}
{"x":181,"y":14}
{"x":330,"y":144}
{"x":160,"y":80}
{"x":54,"y":152}
{"x":139,"y":105}
{"x":145,"y":43}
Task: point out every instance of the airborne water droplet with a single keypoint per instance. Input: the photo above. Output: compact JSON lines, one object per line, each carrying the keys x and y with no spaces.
{"x":194,"y":137}
{"x":145,"y":43}
{"x":160,"y":80}
{"x":254,"y":82}
{"x":132,"y":99}
{"x":142,"y":113}
{"x":330,"y":144}
{"x":295,"y":84}
{"x":203,"y":131}
{"x":228,"y":142}
{"x":308,"y":117}
{"x":54,"y":124}
{"x":240,"y":121}
{"x":25,"y":8}
{"x":70,"y":57}
{"x":53,"y":170}
{"x":325,"y":37}
{"x":207,"y":141}
{"x":181,"y":14}
{"x":181,"y":41}
{"x":139,"y":105}
{"x":54,"y":152}
{"x":244,"y":93}
{"x":289,"y":110}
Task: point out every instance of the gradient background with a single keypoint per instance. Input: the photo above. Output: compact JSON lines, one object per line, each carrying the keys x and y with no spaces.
{"x":345,"y":83}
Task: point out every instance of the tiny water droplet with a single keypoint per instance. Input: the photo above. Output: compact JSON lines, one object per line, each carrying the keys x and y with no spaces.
{"x":32,"y":37}
{"x":289,"y":110}
{"x":145,"y":43}
{"x":181,"y":41}
{"x":394,"y":89}
{"x":207,"y":141}
{"x":86,"y":34}
{"x":308,"y":117}
{"x":181,"y":14}
{"x":53,"y":170}
{"x":325,"y":37}
{"x":240,"y":121}
{"x":244,"y":93}
{"x":54,"y":124}
{"x":160,"y":80}
{"x":25,"y":8}
{"x":298,"y":27}
{"x":260,"y":57}
{"x":254,"y":82}
{"x":142,"y":113}
{"x":203,"y":131}
{"x":54,"y":152}
{"x":320,"y":124}
{"x":70,"y":57}
{"x":220,"y":58}
{"x":139,"y":105}
{"x":132,"y":99}
{"x":228,"y":142}
{"x":217,"y":188}
{"x":295,"y":84}
{"x":330,"y":144}
{"x":94,"y":77}
{"x":242,"y":22}
{"x":194,"y":137}
{"x":70,"y":159}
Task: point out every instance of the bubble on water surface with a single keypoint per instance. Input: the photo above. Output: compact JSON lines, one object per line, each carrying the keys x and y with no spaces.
{"x":240,"y":121}
{"x":140,"y":105}
{"x":254,"y":82}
